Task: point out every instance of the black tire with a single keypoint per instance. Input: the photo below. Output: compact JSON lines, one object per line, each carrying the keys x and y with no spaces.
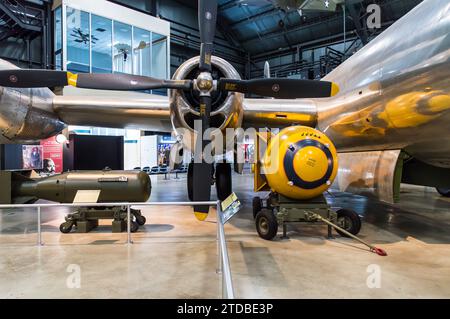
{"x":348,"y":220}
{"x":266,"y":224}
{"x":134,"y":227}
{"x":190,"y":181}
{"x":141,"y":220}
{"x":256,"y":205}
{"x":223,"y":180}
{"x":444,"y":191}
{"x":65,"y":228}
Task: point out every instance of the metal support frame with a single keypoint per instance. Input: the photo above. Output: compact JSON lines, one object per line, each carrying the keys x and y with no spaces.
{"x":223,"y":262}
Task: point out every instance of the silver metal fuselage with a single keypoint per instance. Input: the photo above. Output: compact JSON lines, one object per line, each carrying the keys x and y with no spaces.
{"x":395,"y":92}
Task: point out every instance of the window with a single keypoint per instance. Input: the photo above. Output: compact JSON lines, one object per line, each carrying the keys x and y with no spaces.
{"x":142,"y":58}
{"x":78,"y":40}
{"x":159,"y":56}
{"x":101,"y":44}
{"x":159,"y":60}
{"x":58,"y":38}
{"x":122,"y":48}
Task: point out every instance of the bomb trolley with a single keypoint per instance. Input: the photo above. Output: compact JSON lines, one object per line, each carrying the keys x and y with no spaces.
{"x":86,"y":218}
{"x":276,"y":210}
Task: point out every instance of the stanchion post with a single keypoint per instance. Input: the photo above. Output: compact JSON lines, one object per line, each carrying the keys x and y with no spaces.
{"x":219,"y":252}
{"x":129,"y":241}
{"x":39,"y":240}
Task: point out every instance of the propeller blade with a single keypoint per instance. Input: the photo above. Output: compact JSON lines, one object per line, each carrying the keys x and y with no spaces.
{"x":124,"y":82}
{"x":19,"y":78}
{"x":281,"y":88}
{"x":23,"y":78}
{"x":207,"y":18}
{"x":202,"y":171}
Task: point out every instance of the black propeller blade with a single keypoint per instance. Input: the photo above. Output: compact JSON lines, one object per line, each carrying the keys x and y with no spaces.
{"x":49,"y":78}
{"x":207,"y":18}
{"x":32,"y":78}
{"x":202,"y":171}
{"x":281,"y":88}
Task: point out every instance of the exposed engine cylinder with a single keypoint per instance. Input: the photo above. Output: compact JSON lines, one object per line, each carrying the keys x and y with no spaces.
{"x":300,"y":163}
{"x":227,"y":110}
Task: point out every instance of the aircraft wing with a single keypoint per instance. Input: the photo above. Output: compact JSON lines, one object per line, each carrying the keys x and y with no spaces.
{"x":274,"y":113}
{"x":320,"y":5}
{"x":130,"y":110}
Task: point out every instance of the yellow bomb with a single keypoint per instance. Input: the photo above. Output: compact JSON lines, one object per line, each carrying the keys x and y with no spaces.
{"x":300,"y":163}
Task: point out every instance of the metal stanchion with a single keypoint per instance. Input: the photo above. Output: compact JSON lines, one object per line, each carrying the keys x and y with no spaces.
{"x":219,"y":252}
{"x":129,"y":241}
{"x":39,"y":241}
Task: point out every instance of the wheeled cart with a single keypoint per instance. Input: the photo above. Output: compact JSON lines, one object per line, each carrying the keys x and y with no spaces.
{"x":276,"y":210}
{"x":85,"y":219}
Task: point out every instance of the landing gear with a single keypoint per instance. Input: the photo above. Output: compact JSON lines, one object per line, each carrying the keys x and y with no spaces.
{"x":66,"y":227}
{"x":223,"y":180}
{"x":444,"y":191}
{"x":256,"y":205}
{"x":190,"y":181}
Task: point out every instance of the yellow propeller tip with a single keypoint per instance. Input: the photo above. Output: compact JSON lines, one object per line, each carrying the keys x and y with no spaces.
{"x":72,"y":79}
{"x":334,"y":89}
{"x":200,"y":216}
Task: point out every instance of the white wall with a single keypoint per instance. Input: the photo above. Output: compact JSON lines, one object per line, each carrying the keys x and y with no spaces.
{"x":149,"y":154}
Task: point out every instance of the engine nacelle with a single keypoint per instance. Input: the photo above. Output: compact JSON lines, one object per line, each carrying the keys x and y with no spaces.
{"x":26,"y":115}
{"x":300,"y":163}
{"x":227,"y":109}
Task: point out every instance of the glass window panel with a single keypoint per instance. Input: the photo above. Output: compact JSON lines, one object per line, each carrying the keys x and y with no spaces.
{"x":142,"y":64}
{"x":58,"y":38}
{"x":101,"y":43}
{"x":159,"y":59}
{"x":122,"y":48}
{"x":78,"y":40}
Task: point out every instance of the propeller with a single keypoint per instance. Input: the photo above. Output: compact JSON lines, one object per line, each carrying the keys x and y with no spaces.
{"x":202,"y":171}
{"x":23,"y":78}
{"x":204,"y":85}
{"x":281,"y":88}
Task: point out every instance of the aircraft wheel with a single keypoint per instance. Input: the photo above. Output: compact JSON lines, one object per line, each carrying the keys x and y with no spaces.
{"x":134,"y":227}
{"x":66,"y":227}
{"x":444,"y":191}
{"x":141,"y":220}
{"x":257,"y":207}
{"x":190,"y":181}
{"x":223,"y":180}
{"x":348,"y":220}
{"x":266,"y":224}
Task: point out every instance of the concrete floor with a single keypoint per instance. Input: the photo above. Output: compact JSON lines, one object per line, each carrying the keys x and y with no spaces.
{"x":174,"y":256}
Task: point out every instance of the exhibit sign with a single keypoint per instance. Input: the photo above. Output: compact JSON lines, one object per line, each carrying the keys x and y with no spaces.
{"x":32,"y":156}
{"x":53,"y":156}
{"x":230,"y":206}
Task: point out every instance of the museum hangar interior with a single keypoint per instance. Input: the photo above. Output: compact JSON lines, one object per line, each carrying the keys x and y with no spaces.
{"x":286,"y":148}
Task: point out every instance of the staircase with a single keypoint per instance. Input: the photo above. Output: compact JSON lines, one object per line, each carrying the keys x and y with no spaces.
{"x":18,"y":19}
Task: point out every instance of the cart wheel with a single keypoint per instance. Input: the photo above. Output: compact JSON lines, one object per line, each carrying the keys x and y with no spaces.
{"x":256,"y":204}
{"x":134,"y":227}
{"x":141,"y":220}
{"x":266,"y":225}
{"x":66,"y":228}
{"x":348,"y":220}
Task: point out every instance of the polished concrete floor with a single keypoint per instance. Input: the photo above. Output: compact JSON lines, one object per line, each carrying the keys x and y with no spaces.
{"x":174,"y":255}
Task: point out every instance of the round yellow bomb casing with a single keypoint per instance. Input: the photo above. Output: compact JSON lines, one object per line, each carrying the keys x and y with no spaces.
{"x":300,"y":163}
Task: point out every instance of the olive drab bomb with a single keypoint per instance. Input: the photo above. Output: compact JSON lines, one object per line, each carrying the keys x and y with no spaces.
{"x":300,"y":163}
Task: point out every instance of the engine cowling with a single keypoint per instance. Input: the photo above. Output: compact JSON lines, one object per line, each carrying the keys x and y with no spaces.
{"x":227,"y":109}
{"x":300,"y":163}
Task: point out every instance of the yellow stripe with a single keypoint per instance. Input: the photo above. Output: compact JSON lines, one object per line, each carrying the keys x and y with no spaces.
{"x":334,"y":89}
{"x":72,"y":79}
